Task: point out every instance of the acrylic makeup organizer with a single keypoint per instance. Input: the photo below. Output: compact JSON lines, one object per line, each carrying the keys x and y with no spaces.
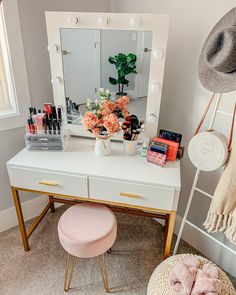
{"x":195,"y":188}
{"x":54,"y":140}
{"x":46,"y":141}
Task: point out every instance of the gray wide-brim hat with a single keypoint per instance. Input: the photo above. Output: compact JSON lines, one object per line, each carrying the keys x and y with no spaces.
{"x":217,"y":62}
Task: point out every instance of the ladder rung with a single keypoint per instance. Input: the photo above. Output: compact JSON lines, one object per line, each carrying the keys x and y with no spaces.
{"x":203,"y":192}
{"x":224,"y":113}
{"x":211,"y":237}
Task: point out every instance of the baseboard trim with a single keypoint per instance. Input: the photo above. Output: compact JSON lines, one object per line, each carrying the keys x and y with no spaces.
{"x":31,"y":209}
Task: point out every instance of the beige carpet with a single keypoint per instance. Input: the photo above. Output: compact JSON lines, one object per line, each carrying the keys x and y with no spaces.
{"x":136,"y":253}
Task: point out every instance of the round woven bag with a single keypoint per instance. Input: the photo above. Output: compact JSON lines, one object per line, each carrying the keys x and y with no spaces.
{"x":208,"y":150}
{"x":159,"y":283}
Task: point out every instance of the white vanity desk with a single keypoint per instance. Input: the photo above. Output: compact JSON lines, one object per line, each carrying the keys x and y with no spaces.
{"x":127,"y":184}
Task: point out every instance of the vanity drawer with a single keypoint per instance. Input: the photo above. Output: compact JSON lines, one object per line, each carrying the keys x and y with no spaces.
{"x":131,"y":194}
{"x":51,"y":182}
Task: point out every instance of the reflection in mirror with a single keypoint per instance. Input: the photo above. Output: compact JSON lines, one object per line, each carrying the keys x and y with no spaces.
{"x":118,"y":60}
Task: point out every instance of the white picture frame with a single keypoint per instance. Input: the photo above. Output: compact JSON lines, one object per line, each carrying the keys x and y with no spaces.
{"x":158,"y":24}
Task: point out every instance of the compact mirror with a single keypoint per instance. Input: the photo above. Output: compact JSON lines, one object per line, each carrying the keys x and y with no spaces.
{"x":95,"y":61}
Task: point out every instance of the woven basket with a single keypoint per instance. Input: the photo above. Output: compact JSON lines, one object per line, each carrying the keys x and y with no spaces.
{"x":159,"y":283}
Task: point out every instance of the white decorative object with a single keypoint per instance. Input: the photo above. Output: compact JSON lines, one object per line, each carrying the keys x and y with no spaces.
{"x":155,"y":87}
{"x":102,"y":147}
{"x":158,"y":53}
{"x":103,"y":20}
{"x":53,"y":47}
{"x":208,"y":150}
{"x":152,"y":118}
{"x":135,"y":21}
{"x":130,"y":147}
{"x":73,"y":20}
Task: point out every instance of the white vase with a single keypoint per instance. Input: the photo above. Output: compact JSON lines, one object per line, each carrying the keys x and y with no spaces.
{"x":102,"y":147}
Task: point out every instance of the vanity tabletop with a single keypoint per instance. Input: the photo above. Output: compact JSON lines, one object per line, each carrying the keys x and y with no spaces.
{"x":79,"y":159}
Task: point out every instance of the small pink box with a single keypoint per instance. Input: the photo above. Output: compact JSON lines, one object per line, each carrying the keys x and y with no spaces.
{"x":156,"y":158}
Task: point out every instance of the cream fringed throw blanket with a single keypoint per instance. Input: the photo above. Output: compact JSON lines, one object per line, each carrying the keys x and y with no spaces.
{"x":222,"y":213}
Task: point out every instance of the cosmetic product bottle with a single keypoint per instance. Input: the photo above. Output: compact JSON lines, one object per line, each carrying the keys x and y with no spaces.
{"x":38,"y":118}
{"x":47,"y":108}
{"x":54,"y":113}
{"x":31,"y":111}
{"x":31,"y":126}
{"x":144,"y":147}
{"x":59,"y":116}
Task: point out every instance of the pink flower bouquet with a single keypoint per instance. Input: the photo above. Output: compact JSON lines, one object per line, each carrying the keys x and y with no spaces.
{"x":102,"y":116}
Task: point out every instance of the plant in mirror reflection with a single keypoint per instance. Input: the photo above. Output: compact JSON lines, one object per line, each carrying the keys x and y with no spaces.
{"x":125,"y":65}
{"x":105,"y":93}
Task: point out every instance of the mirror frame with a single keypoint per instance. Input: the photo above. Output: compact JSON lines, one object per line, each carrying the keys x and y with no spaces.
{"x":158,"y":24}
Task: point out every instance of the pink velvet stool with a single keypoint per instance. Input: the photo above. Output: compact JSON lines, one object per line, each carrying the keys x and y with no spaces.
{"x":87,"y":230}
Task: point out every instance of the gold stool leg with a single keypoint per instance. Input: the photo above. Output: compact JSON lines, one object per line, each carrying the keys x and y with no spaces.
{"x":67,"y":285}
{"x":103,"y":270}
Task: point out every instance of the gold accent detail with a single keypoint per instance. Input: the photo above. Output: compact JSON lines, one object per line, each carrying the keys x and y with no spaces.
{"x":38,"y":219}
{"x":69,"y":270}
{"x":49,"y":182}
{"x":67,"y":285}
{"x":103,"y":270}
{"x":130,"y":195}
{"x":169,"y":233}
{"x":20,"y":218}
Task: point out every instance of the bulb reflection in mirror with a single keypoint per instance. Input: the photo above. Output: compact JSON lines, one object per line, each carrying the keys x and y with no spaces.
{"x":158,"y":53}
{"x":52,"y":48}
{"x":155,"y":87}
{"x":103,"y":20}
{"x":73,"y":20}
{"x":151,"y":118}
{"x":135,"y":22}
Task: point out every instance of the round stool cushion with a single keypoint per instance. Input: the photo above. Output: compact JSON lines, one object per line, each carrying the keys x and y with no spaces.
{"x":159,"y":282}
{"x":87,"y":230}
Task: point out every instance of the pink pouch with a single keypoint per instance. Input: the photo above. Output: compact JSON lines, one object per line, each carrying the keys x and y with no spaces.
{"x":156,"y":158}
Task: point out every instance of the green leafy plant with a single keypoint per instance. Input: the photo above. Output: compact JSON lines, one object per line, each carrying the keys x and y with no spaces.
{"x":125,"y":65}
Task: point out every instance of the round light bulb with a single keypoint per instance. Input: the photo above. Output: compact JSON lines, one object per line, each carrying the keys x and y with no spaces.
{"x":52,"y":48}
{"x":73,"y":20}
{"x":151,"y":118}
{"x":155,"y":87}
{"x":135,"y":22}
{"x":158,"y":53}
{"x":57,"y":80}
{"x":103,"y":20}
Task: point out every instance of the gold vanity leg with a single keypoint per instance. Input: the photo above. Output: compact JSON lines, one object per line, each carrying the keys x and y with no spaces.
{"x":52,"y":204}
{"x":20,"y":217}
{"x":103,"y":270}
{"x":169,"y":235}
{"x":67,"y":285}
{"x":166,"y":225}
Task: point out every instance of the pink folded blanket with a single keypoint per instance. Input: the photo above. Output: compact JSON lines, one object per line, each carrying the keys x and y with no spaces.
{"x":206,"y":281}
{"x":182,"y":275}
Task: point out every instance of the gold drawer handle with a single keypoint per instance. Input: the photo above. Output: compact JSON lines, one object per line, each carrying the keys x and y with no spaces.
{"x":48,"y":182}
{"x":130,"y":195}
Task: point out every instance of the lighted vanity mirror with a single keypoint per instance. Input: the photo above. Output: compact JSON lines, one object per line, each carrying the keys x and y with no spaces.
{"x":95,"y":59}
{"x":123,"y":53}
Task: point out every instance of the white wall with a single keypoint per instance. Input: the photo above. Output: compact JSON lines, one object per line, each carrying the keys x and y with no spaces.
{"x":34,"y":36}
{"x":184,"y":98}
